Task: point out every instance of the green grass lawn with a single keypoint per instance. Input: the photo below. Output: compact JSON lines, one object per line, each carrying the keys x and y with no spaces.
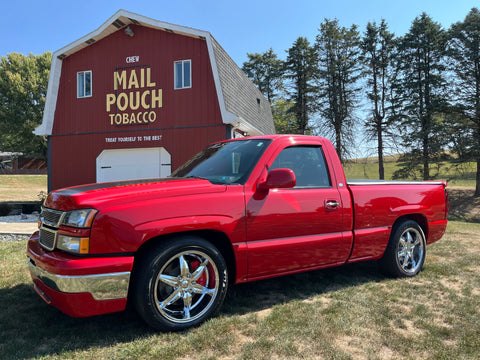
{"x":457,"y":174}
{"x":22,"y":187}
{"x":351,"y":312}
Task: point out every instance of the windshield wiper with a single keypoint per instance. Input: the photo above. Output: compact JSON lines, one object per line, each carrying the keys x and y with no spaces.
{"x":196,"y":177}
{"x":215,"y":182}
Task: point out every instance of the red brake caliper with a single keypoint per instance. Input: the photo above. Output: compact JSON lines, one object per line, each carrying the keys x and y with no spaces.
{"x":202,"y":280}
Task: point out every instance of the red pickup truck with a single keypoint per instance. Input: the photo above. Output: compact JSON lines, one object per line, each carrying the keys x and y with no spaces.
{"x":241,"y":210}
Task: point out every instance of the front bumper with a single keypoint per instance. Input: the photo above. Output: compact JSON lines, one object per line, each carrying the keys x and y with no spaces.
{"x":100,"y":286}
{"x":77,"y":286}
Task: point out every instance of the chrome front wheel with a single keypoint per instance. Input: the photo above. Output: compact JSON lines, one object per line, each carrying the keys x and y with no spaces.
{"x":186,"y":286}
{"x":179,"y":283}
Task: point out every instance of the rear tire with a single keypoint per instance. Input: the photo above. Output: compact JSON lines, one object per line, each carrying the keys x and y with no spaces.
{"x":405,"y":252}
{"x":180,"y":283}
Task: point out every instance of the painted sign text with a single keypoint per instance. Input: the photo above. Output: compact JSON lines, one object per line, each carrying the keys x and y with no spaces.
{"x":135,"y":99}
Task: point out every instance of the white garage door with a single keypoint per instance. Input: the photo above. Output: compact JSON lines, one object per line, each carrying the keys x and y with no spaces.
{"x":130,"y":164}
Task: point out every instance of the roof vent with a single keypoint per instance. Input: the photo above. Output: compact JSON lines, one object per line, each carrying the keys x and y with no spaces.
{"x":118,"y":24}
{"x":90,"y":41}
{"x":134,"y":21}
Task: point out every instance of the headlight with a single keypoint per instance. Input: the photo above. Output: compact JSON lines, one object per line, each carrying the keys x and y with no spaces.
{"x":73,"y":244}
{"x":82,"y":218}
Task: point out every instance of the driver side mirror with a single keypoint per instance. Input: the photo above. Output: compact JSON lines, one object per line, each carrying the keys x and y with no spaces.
{"x":278,"y":179}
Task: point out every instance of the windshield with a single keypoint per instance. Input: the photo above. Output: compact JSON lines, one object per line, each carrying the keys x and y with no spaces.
{"x":228,"y":162}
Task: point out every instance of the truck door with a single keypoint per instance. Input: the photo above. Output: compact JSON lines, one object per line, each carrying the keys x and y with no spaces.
{"x":298,"y":228}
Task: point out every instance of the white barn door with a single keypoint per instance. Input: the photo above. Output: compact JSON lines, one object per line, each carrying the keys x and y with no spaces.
{"x":131,"y":164}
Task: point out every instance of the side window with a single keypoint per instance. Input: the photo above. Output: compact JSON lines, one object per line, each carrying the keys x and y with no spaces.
{"x":308,"y":164}
{"x":84,"y":84}
{"x":182,"y":74}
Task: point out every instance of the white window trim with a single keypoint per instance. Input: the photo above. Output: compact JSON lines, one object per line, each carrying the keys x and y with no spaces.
{"x":183,"y":76}
{"x":91,"y":85}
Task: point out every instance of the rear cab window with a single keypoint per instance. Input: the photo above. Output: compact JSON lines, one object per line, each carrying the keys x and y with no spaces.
{"x":308,"y":163}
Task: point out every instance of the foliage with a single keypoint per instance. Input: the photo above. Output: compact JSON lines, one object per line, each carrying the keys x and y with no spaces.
{"x":283,"y":117}
{"x":378,"y":46}
{"x":266,"y":72}
{"x":300,"y":68}
{"x":23,"y":88}
{"x":422,"y":90}
{"x":338,"y":71}
{"x":464,"y":51}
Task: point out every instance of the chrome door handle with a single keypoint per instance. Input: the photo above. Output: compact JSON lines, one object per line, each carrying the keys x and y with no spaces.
{"x":332,"y":204}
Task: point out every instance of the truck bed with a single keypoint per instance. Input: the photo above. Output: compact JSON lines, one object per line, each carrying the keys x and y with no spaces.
{"x":379,"y":204}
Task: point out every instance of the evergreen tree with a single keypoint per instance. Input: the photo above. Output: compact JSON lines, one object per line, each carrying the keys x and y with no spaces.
{"x":284,"y":119}
{"x":464,"y":50}
{"x":338,"y":71}
{"x":377,"y":49}
{"x":300,"y":68}
{"x":421,"y":89}
{"x":23,"y":88}
{"x":266,"y":72}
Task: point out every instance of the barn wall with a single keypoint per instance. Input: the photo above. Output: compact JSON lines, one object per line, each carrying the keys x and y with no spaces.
{"x":150,"y":112}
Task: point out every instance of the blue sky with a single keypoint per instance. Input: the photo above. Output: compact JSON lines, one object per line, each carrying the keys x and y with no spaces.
{"x":240,"y":26}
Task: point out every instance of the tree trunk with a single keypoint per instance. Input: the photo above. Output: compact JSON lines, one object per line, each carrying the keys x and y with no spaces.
{"x":426,"y":162}
{"x":477,"y":186}
{"x":381,"y":170}
{"x":338,"y":145}
{"x":426,"y":169}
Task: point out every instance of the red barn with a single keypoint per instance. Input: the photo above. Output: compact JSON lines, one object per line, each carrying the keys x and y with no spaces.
{"x":138,"y":97}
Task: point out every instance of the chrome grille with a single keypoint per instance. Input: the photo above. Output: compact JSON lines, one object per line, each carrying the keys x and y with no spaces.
{"x":51,"y":217}
{"x":47,"y":238}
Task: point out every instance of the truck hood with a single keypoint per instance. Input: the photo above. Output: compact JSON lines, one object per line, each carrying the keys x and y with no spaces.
{"x":101,"y":195}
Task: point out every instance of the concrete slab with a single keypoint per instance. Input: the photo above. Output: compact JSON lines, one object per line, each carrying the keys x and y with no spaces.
{"x":18,"y":228}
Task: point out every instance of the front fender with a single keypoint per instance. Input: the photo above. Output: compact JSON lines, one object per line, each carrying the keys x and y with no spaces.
{"x":152,"y":229}
{"x":231,"y":229}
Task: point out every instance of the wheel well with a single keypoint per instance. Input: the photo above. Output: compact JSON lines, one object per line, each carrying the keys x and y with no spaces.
{"x":216,"y":238}
{"x":418,"y":218}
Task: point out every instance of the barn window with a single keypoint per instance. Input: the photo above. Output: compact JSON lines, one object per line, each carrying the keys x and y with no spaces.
{"x":183,"y":74}
{"x":84,"y":84}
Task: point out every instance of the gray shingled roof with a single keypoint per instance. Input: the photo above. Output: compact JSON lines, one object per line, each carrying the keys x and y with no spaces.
{"x":242,"y":97}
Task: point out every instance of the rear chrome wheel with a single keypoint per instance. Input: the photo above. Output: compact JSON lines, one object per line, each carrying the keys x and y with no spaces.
{"x":180,"y":283}
{"x":410,"y":251}
{"x":405,"y":253}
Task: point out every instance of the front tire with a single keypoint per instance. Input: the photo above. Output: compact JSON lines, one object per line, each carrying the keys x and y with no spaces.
{"x":405,"y":253}
{"x":180,"y":283}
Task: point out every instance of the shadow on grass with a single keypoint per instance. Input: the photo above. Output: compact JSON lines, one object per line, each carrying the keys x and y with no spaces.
{"x":30,"y":328}
{"x":260,"y":295}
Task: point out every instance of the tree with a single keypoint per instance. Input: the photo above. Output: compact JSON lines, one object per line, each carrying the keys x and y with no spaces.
{"x":23,"y":88}
{"x":421,"y":89}
{"x":464,"y":50}
{"x":283,"y":118}
{"x":377,"y":49}
{"x":266,"y":72}
{"x":338,"y":71}
{"x":300,"y":69}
